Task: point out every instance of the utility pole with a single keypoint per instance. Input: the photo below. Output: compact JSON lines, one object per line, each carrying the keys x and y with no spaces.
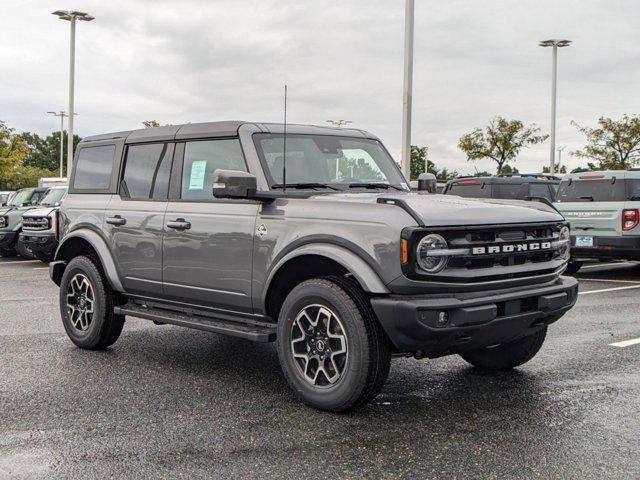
{"x":554,"y":76}
{"x":61,"y":114}
{"x":407,"y":88}
{"x":560,"y":149}
{"x":71,"y":16}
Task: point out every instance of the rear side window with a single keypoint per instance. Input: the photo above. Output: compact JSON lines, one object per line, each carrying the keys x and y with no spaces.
{"x":201,"y":159}
{"x":605,"y":190}
{"x":541,"y":191}
{"x":509,"y":191}
{"x":471,"y":190}
{"x":93,"y":167}
{"x":633,"y":189}
{"x":146,"y":171}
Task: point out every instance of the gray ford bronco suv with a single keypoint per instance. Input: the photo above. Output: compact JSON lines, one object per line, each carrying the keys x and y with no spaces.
{"x":311,"y":239}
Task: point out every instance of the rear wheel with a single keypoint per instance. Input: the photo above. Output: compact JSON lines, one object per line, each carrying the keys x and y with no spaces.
{"x":86,"y":305}
{"x":332,"y":350}
{"x":24,"y":251}
{"x":508,"y":355}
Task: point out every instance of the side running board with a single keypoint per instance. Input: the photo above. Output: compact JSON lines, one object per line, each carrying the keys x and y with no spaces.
{"x":257,"y":333}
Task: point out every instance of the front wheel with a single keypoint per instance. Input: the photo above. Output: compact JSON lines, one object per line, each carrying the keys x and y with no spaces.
{"x":24,"y":251}
{"x":8,"y":253}
{"x":86,"y":305}
{"x":332,"y":350}
{"x":508,"y":355}
{"x":573,"y":266}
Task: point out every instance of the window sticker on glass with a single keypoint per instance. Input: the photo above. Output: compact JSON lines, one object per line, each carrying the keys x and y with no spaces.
{"x":198,"y":169}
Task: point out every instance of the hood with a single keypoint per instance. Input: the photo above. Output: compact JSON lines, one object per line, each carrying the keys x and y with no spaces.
{"x":450,"y":210}
{"x":40,"y":212}
{"x":15,"y":210}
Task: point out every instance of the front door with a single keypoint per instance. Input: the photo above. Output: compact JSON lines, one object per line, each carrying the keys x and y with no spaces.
{"x":134,"y":220}
{"x":208,"y":242}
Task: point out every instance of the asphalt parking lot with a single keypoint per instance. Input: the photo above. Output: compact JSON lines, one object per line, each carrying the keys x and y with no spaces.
{"x":166,"y":402}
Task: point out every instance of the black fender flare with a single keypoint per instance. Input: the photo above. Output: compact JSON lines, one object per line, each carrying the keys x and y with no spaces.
{"x":361,"y":270}
{"x":101,"y":248}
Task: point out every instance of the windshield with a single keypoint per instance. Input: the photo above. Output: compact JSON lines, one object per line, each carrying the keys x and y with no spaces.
{"x":605,"y":190}
{"x":53,"y":196}
{"x":20,"y":197}
{"x":328,"y":161}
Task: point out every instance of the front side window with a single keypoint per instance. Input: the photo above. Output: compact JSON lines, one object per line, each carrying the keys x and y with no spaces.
{"x":201,"y":159}
{"x":339,"y":162}
{"x":93,"y":167}
{"x":146,"y":172}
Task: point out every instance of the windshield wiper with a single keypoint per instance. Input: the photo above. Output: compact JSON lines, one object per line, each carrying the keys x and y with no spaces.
{"x":386,"y":186}
{"x":304,"y":185}
{"x":587,"y":197}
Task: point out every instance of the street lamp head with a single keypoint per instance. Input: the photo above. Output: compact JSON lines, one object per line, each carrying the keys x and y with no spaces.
{"x":68,"y":15}
{"x":555,"y":43}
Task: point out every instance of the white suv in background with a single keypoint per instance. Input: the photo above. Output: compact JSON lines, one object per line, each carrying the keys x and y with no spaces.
{"x":602,"y":208}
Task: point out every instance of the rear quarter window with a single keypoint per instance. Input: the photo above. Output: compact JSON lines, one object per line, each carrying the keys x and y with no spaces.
{"x":93,"y":167}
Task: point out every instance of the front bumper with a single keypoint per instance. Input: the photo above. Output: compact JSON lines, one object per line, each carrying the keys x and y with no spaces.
{"x":475,"y":320}
{"x":45,"y":243}
{"x":8,"y":240}
{"x":626,"y":247}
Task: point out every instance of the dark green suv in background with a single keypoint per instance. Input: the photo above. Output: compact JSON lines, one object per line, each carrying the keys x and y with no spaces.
{"x":11,"y":221}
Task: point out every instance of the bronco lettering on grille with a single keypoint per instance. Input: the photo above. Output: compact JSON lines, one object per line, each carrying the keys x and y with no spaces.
{"x":511,"y":248}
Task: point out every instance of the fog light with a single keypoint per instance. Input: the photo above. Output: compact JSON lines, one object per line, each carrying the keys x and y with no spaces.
{"x":443,"y":318}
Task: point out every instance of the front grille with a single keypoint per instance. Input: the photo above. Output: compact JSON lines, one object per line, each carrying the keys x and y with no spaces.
{"x":489,"y":266}
{"x":35,"y":223}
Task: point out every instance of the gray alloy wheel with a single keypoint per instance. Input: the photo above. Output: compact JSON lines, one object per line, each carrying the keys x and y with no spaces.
{"x":319,"y":345}
{"x":80,"y":302}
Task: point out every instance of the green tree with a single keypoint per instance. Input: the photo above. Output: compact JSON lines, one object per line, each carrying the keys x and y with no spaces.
{"x":44,"y":153}
{"x":500,"y":141}
{"x":14,"y":173}
{"x":559,"y":169}
{"x":509,"y":170}
{"x":614,"y":144}
{"x":151,"y":124}
{"x":418,"y":159}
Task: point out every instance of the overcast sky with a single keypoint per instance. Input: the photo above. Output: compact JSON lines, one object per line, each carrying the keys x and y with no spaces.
{"x":191,"y":61}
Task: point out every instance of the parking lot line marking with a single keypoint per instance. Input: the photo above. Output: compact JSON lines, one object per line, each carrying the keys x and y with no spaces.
{"x":606,"y":265}
{"x":608,"y":281}
{"x":19,"y":261}
{"x":47,"y":268}
{"x":626,"y":343}
{"x":609,"y":289}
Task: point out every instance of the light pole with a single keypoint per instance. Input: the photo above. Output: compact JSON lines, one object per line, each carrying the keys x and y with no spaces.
{"x":554,"y":74}
{"x":407,"y":89}
{"x":560,"y":149}
{"x":71,"y":16}
{"x":61,"y":114}
{"x":339,"y":123}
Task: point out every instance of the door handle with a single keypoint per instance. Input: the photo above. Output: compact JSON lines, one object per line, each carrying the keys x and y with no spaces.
{"x":116,"y":220}
{"x":179,"y":224}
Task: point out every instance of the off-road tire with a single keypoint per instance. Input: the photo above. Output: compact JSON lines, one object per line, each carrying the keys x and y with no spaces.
{"x":369,"y":352}
{"x":573,"y":267}
{"x":8,"y":253}
{"x":105,"y":326}
{"x":508,"y":355}
{"x":24,"y":251}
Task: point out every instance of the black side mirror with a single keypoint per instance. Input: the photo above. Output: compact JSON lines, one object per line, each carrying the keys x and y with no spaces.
{"x":427,"y":183}
{"x":234,"y":184}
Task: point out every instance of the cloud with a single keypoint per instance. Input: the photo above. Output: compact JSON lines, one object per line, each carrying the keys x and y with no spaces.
{"x":195,"y":61}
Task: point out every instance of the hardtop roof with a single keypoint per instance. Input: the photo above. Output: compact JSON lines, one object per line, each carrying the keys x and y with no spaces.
{"x":218,"y":129}
{"x":510,"y":179}
{"x":602,"y":174}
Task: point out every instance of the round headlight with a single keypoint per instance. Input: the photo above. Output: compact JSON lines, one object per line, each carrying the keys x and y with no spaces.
{"x":564,"y":250}
{"x":429,"y":253}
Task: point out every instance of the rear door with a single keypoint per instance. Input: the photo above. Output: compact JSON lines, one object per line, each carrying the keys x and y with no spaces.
{"x":134,"y":220}
{"x":208,"y":242}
